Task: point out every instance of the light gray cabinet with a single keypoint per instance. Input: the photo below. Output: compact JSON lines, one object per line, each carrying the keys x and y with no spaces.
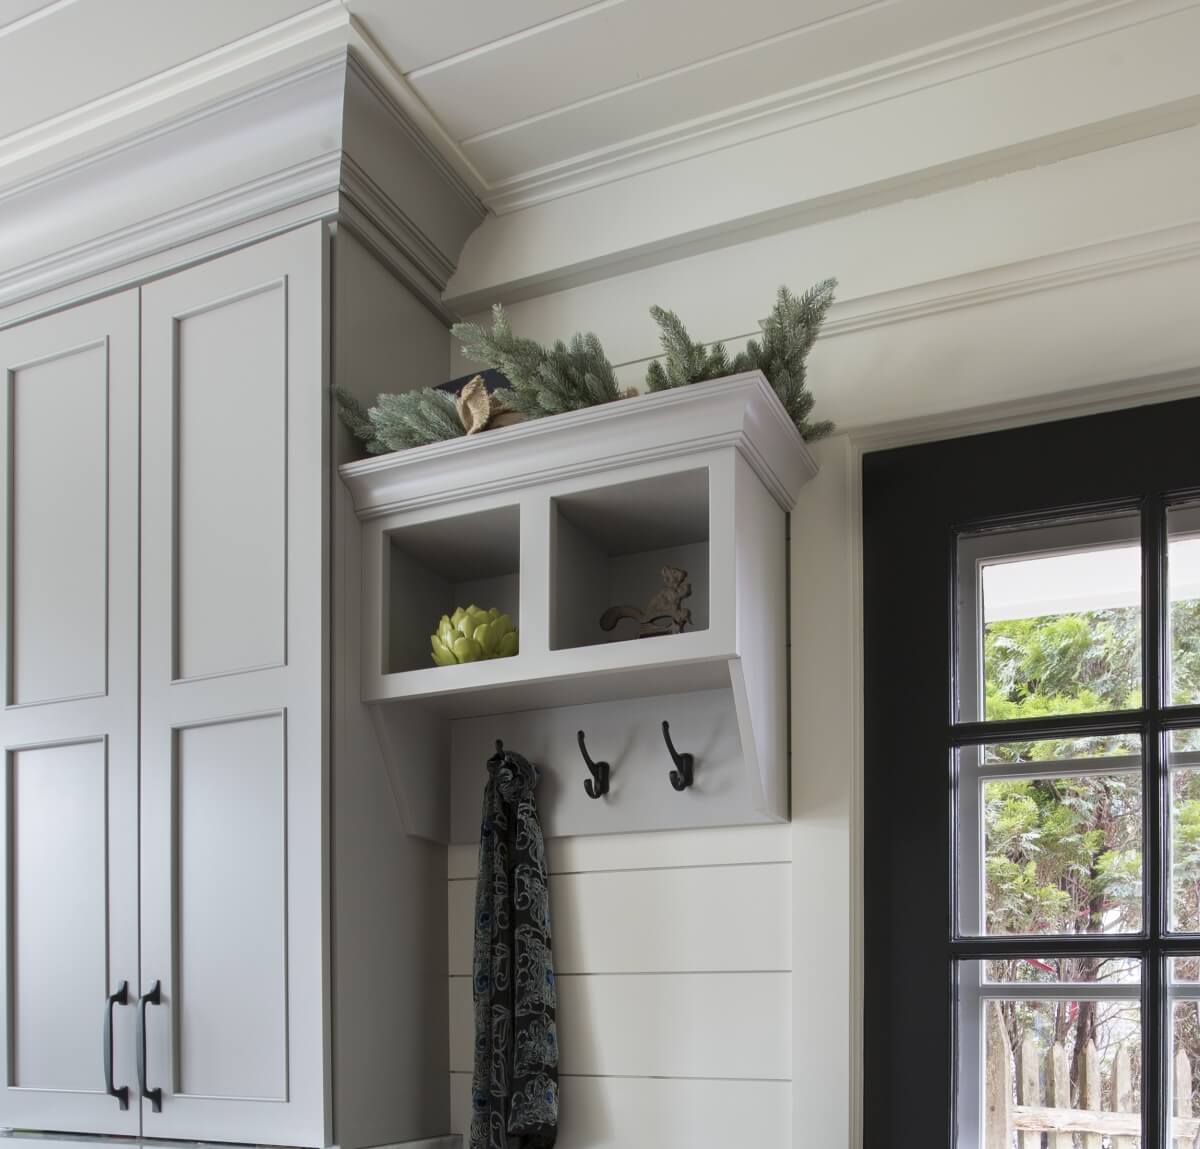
{"x":186,"y":742}
{"x":68,"y":434}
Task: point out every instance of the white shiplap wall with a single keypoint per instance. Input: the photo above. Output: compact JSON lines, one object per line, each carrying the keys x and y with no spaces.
{"x":674,"y":956}
{"x":1022,"y":297}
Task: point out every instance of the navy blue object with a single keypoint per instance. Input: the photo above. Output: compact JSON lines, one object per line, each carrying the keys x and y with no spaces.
{"x":492,"y":380}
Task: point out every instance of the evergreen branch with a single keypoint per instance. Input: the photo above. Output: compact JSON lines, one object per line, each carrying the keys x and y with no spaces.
{"x":788,"y":335}
{"x":686,"y":362}
{"x":357,"y":419}
{"x":541,"y":381}
{"x":414,"y":418}
{"x":512,"y":356}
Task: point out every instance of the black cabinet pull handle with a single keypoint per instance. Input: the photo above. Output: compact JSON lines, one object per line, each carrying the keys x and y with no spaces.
{"x":154,"y":1096}
{"x":120,"y":1092}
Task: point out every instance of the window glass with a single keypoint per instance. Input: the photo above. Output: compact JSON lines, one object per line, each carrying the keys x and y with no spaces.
{"x":1184,"y":1069}
{"x":1061,"y":1044}
{"x":1183,"y":595}
{"x":1051,"y":620}
{"x":1183,"y":766}
{"x":1051,"y":837}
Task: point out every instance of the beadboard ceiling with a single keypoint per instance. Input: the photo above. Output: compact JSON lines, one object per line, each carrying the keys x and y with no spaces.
{"x":546,"y":95}
{"x":532,"y":99}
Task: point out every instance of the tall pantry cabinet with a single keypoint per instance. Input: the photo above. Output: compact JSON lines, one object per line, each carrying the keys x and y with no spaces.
{"x":165,"y":768}
{"x":170,"y":933}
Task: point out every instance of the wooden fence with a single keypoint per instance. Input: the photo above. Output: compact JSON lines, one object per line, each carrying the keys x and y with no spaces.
{"x":1111,"y":1117}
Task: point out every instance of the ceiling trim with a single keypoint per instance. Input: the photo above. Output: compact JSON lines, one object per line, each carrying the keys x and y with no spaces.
{"x":1159,"y":247}
{"x":169,"y":95}
{"x":1092,"y":400}
{"x":391,"y":80}
{"x":1156,"y":248}
{"x":992,"y":47}
{"x":1056,"y":105}
{"x":321,"y":141}
{"x":237,"y":159}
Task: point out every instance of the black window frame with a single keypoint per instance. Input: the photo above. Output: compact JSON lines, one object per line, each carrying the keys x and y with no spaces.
{"x":917,"y":502}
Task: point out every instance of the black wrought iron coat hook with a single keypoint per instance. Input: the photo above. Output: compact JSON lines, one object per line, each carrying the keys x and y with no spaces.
{"x":597,"y":785}
{"x":685,"y":764}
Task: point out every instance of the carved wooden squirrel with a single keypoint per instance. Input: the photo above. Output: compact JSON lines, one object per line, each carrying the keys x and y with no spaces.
{"x":663,"y":614}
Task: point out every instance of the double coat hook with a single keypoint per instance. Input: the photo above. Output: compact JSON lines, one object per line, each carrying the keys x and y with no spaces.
{"x":685,"y":764}
{"x":597,"y":785}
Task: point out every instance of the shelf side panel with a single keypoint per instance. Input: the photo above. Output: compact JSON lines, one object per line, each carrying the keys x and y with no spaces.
{"x":759,"y":675}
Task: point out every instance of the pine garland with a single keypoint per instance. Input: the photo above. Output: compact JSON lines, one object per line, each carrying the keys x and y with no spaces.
{"x":542,"y":381}
{"x":788,"y":336}
{"x":403,"y":420}
{"x":570,"y":376}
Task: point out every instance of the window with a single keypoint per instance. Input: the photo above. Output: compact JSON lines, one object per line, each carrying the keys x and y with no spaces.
{"x":1033,"y":738}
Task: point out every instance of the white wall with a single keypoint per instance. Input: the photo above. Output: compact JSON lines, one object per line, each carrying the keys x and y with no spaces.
{"x":673,"y":955}
{"x":1046,"y":291}
{"x":1064,"y":276}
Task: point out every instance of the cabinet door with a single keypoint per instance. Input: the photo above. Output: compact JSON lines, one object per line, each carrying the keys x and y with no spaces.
{"x":68,"y":724}
{"x":234,"y":934}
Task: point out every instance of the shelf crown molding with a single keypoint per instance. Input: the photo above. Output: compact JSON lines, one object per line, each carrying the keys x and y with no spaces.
{"x":741,"y":411}
{"x":325,"y":139}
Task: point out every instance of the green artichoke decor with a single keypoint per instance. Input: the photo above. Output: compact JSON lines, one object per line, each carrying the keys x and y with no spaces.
{"x":470,"y":634}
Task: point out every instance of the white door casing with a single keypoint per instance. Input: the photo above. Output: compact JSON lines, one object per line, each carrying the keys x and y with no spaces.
{"x":68,"y":684}
{"x":234,"y":733}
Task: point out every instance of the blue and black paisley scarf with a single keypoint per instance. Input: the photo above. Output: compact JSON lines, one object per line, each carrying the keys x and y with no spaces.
{"x":515,"y":1088}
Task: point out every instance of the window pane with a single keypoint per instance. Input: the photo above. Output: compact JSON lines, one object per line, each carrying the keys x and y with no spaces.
{"x":1183,"y":762}
{"x":1050,"y":620}
{"x":1183,"y":1073}
{"x":1047,"y":751}
{"x":1089,"y":969}
{"x":1183,"y":593}
{"x":1062,"y":1059}
{"x":1063,"y":855}
{"x":1051,"y":837}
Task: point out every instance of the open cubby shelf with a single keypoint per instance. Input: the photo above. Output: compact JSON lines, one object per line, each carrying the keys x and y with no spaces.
{"x":609,"y":546}
{"x":439,"y":564}
{"x":555,"y":521}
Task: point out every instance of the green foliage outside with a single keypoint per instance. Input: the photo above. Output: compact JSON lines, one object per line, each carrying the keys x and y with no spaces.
{"x":1064,"y":855}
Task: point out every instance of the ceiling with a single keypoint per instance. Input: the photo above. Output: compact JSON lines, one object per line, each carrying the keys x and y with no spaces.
{"x":553,"y":90}
{"x":532,"y":99}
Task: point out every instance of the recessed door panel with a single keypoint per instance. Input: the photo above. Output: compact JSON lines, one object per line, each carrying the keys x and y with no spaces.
{"x":58,"y":917}
{"x":230,"y":481}
{"x":231,"y":881}
{"x":58,"y":443}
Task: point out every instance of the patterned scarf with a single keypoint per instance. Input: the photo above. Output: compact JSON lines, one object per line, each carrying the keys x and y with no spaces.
{"x":515,"y":1088}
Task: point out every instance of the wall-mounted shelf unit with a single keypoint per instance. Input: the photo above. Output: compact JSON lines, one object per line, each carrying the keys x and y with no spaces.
{"x":554,"y":521}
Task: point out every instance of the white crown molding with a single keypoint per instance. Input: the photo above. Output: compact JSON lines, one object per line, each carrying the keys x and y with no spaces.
{"x":994,"y":46}
{"x":1093,"y":400}
{"x":1150,"y":249}
{"x":239,"y":158}
{"x":321,"y":140}
{"x":1159,"y":247}
{"x":169,"y":95}
{"x":414,"y":110}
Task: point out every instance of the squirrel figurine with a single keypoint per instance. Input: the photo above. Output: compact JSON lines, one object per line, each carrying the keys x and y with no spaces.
{"x":663,"y":614}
